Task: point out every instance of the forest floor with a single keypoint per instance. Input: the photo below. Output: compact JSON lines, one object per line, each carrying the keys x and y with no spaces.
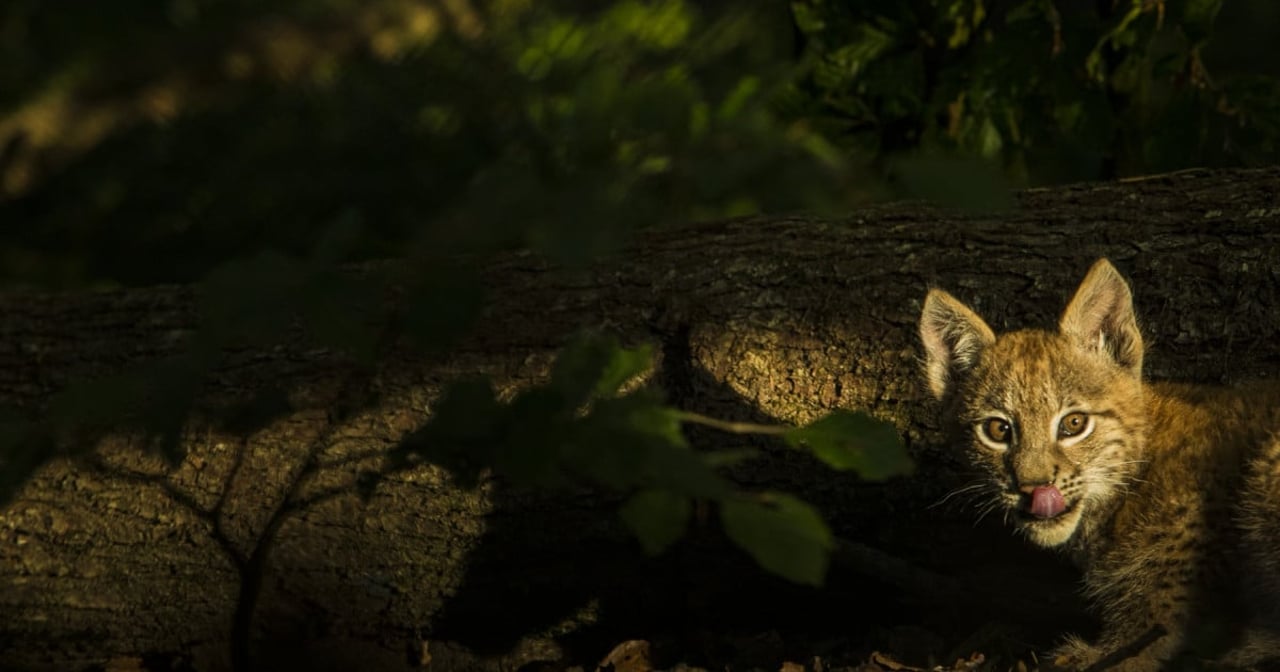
{"x":767,"y":651}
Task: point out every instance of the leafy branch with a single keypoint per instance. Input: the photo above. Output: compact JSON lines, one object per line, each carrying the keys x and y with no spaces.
{"x":586,"y":426}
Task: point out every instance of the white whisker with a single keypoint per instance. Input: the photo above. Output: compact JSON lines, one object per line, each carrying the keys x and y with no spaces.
{"x":965,"y":491}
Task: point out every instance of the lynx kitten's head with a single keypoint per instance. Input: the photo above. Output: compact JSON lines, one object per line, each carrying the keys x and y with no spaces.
{"x":1053,"y":419}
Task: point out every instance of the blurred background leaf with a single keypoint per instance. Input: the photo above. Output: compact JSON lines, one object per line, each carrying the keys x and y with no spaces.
{"x":657,"y":518}
{"x":154,"y":142}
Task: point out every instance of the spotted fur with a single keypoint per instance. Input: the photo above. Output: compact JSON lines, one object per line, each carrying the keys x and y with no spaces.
{"x":1171,"y":492}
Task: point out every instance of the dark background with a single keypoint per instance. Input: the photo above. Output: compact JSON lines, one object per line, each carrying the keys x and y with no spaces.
{"x":145,"y":142}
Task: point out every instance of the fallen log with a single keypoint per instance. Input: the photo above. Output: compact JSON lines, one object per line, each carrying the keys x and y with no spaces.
{"x":263,"y":544}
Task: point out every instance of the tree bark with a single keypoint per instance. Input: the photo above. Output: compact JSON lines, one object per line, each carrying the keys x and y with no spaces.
{"x":267,"y":538}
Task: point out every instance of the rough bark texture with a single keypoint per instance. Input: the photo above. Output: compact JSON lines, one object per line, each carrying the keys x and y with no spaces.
{"x":782,"y":319}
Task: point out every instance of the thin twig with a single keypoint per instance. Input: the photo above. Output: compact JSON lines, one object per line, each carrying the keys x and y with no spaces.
{"x":730,"y":426}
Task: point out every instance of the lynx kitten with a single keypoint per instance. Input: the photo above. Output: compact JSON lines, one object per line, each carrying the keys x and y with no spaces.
{"x":1168,"y":496}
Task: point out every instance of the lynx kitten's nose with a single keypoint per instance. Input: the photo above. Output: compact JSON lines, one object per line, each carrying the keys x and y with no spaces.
{"x":1047,"y":502}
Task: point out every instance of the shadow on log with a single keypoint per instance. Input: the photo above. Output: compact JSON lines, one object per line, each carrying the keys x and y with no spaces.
{"x":269,"y":534}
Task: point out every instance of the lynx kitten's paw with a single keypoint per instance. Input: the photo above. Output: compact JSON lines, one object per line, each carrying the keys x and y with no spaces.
{"x":1074,"y":654}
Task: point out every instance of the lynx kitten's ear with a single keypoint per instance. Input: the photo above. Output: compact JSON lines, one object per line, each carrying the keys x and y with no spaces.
{"x":1100,"y":317}
{"x":953,"y":337}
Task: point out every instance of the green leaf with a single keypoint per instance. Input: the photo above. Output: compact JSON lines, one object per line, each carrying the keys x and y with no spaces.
{"x":682,"y":470}
{"x":535,"y":428}
{"x":1198,"y":17}
{"x":729,"y":458}
{"x":785,"y":535}
{"x":846,"y":440}
{"x":617,"y":443}
{"x":657,"y":518}
{"x":595,"y":366}
{"x":635,"y":441}
{"x":624,"y":364}
{"x":739,"y":97}
{"x":577,"y":369}
{"x":658,"y":26}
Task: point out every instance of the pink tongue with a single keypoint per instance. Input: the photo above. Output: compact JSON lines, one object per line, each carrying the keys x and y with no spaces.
{"x":1047,"y":502}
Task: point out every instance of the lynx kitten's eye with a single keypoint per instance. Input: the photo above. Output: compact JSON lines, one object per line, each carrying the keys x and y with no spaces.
{"x":997,"y":429}
{"x":1072,"y":424}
